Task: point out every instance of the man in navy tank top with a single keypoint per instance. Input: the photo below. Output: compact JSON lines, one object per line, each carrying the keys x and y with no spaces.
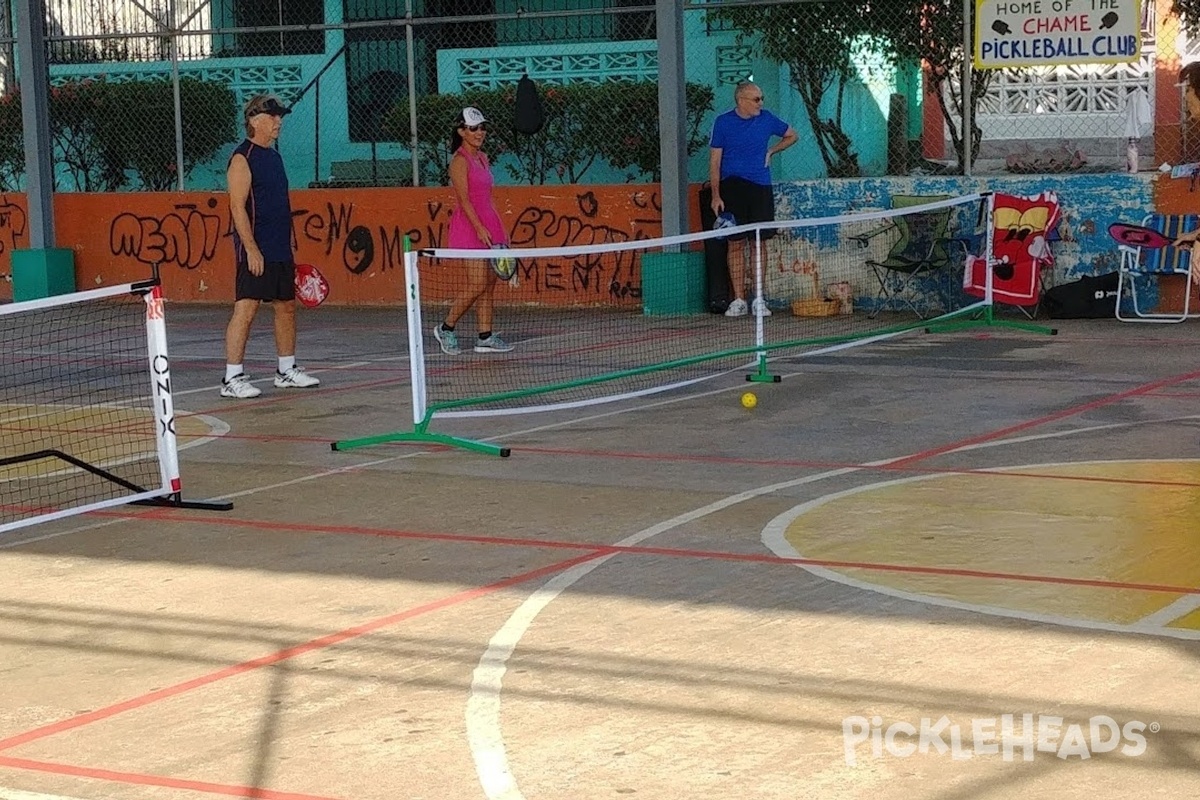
{"x":262,"y":243}
{"x":739,"y":170}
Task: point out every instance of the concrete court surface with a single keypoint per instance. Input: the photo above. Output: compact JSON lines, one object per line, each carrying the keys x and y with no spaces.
{"x":838,"y":594}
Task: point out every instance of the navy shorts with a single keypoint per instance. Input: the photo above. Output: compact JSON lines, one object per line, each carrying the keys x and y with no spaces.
{"x":748,"y":202}
{"x":277,"y":282}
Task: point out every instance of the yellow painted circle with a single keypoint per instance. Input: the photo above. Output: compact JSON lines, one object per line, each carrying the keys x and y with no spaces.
{"x":1130,"y":522}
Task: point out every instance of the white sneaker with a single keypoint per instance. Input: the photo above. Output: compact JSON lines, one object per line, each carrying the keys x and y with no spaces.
{"x":239,"y":387}
{"x":492,"y":344}
{"x":736,"y":309}
{"x":295,"y":378}
{"x":759,"y":307}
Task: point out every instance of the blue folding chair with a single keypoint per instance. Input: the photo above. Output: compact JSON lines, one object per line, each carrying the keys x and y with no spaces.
{"x":1142,"y":267}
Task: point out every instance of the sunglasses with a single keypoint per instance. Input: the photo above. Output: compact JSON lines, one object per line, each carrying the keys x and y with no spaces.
{"x":474,"y":128}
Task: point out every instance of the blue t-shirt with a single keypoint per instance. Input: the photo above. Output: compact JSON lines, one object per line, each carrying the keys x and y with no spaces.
{"x":743,"y":144}
{"x":267,"y":205}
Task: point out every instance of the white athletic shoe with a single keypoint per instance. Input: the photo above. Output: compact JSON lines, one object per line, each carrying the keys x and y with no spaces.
{"x":736,"y":309}
{"x":239,"y":387}
{"x":759,"y":307}
{"x":492,"y":344}
{"x":295,"y":378}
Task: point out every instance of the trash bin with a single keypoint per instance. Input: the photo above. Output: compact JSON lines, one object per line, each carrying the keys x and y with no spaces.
{"x":42,"y":273}
{"x":674,"y":283}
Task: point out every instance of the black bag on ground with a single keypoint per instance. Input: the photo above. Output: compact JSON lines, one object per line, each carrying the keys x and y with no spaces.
{"x":1091,"y":297}
{"x":528,"y":117}
{"x":716,"y":255}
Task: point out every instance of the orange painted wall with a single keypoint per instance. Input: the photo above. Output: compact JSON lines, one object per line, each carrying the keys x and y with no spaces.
{"x":355,"y":237}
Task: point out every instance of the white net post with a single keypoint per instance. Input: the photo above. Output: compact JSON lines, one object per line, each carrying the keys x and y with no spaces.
{"x":416,"y":338}
{"x":759,"y":300}
{"x":989,"y":256}
{"x":160,"y":391}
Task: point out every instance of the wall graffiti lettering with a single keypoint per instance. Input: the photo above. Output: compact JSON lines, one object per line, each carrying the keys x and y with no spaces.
{"x":12,"y":225}
{"x":360,"y":247}
{"x":187,"y":236}
{"x":594,"y":275}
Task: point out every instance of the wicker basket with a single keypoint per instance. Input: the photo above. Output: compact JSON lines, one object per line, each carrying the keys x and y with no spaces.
{"x":815,"y":308}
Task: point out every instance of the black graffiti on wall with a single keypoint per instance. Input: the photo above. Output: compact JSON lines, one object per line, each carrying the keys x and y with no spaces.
{"x":589,"y":274}
{"x":12,"y":225}
{"x":187,"y":236}
{"x":339,"y":230}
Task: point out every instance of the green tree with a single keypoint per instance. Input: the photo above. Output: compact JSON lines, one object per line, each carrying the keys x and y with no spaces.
{"x":815,"y":41}
{"x":1188,"y":12}
{"x":12,"y":142}
{"x":931,"y":32}
{"x":108,"y":135}
{"x":615,"y":122}
{"x":632,"y":139}
{"x":144,"y":144}
{"x":75,"y":120}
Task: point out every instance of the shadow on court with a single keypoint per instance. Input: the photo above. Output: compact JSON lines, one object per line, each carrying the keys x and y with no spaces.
{"x":666,"y":596}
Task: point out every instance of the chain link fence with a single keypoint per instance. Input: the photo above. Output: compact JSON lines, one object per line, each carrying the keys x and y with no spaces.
{"x":872,"y":89}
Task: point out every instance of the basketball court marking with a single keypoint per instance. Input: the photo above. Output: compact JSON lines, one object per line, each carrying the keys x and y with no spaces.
{"x":484,"y":732}
{"x":498,"y":766}
{"x":775,"y":537}
{"x":15,"y":794}
{"x":137,"y":779}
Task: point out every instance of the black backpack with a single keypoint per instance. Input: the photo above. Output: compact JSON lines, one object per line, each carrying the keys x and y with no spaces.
{"x":1091,"y":297}
{"x":529,"y":116}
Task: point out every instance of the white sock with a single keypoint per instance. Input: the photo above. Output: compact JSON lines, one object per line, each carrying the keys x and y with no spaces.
{"x":232,"y":371}
{"x":286,"y":363}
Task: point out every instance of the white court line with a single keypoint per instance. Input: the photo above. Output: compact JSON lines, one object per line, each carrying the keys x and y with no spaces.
{"x":390,"y":459}
{"x":484,"y":735}
{"x":217,"y":387}
{"x":774,"y":538}
{"x":1159,"y":620}
{"x":483,"y":719}
{"x":17,"y":794}
{"x":483,"y":707}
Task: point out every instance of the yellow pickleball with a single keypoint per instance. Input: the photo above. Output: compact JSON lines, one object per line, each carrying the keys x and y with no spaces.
{"x":749,"y":400}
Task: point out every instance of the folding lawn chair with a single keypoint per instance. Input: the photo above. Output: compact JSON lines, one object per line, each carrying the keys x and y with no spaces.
{"x":918,"y":253}
{"x":1142,"y":269}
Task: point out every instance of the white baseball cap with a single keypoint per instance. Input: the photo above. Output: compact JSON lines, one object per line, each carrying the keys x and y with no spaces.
{"x":472,"y":116}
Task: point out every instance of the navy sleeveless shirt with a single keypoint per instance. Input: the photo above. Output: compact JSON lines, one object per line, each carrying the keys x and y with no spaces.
{"x":267,"y":205}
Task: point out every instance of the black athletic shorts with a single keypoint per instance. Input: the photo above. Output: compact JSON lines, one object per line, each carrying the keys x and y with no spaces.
{"x":277,"y":282}
{"x":748,"y":202}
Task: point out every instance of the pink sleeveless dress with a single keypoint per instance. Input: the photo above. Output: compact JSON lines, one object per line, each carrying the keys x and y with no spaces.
{"x":479,"y":191}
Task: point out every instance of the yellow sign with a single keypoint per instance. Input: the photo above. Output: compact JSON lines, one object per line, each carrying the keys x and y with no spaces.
{"x":1036,"y":33}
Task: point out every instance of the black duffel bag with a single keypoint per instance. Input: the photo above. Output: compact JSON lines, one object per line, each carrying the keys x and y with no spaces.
{"x":1091,"y":297}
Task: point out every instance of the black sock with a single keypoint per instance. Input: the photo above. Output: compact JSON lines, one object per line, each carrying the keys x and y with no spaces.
{"x":484,"y":335}
{"x":447,"y":327}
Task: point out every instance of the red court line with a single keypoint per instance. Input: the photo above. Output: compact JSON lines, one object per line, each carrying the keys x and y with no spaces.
{"x":890,"y":467}
{"x":678,"y":552}
{"x":320,"y":643}
{"x":139,"y":779}
{"x":1033,"y":423}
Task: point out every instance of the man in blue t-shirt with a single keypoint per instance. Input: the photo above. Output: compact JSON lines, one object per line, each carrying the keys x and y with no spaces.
{"x":739,"y":169}
{"x":262,"y":242}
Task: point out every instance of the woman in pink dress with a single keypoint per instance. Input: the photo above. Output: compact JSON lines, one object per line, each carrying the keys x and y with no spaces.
{"x":475,"y":224}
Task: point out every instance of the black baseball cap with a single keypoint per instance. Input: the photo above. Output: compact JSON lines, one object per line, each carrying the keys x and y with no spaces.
{"x":266,"y":104}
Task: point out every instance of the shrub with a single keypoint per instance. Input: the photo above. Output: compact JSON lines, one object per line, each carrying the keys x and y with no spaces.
{"x":108,"y":135}
{"x":615,"y":121}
